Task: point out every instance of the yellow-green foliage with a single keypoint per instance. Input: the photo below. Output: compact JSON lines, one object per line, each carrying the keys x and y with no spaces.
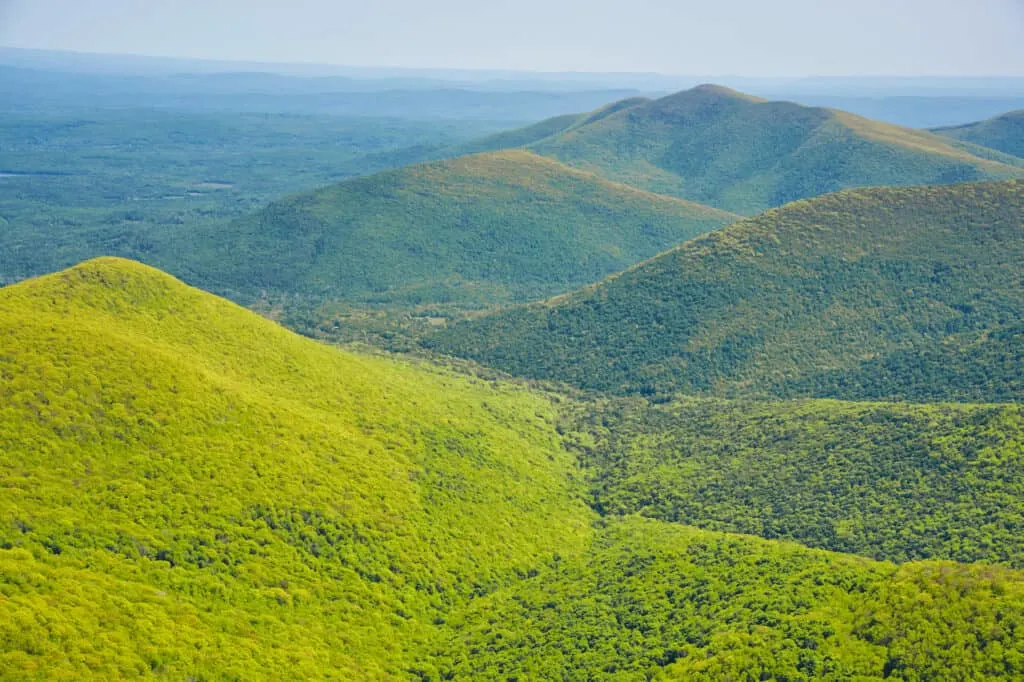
{"x":191,"y":492}
{"x":656,"y":601}
{"x":892,"y":481}
{"x":187,"y":487}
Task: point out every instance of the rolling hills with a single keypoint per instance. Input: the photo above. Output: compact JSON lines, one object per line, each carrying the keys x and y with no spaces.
{"x":1004,"y":133}
{"x":742,"y":154}
{"x":190,"y":491}
{"x":485,"y":228}
{"x":880,"y":293}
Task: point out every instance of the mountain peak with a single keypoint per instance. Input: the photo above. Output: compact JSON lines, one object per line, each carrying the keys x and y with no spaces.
{"x":111,"y":284}
{"x":720,"y":91}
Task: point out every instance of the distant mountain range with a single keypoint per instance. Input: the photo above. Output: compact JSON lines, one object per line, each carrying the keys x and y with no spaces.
{"x":743,"y":154}
{"x":641,"y":437}
{"x":83,"y":82}
{"x":510,"y":225}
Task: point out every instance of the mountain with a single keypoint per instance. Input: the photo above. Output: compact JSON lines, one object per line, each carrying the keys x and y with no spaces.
{"x":190,"y":491}
{"x":880,"y":293}
{"x":209,"y":492}
{"x":1003,"y":133}
{"x":478,"y":229}
{"x":743,"y":154}
{"x":535,"y":133}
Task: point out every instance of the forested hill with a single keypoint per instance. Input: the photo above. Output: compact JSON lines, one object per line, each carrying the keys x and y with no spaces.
{"x":192,"y":492}
{"x":719,"y":147}
{"x":891,"y":481}
{"x":211,"y":495}
{"x":892,"y":293}
{"x":1004,"y":133}
{"x":501,"y":226}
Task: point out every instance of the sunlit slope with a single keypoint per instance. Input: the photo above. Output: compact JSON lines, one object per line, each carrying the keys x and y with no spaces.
{"x":891,"y":481}
{"x":1003,"y":133}
{"x":542,"y":130}
{"x":895,"y":293}
{"x":190,"y":490}
{"x":477,"y":229}
{"x":657,"y":601}
{"x":719,"y":147}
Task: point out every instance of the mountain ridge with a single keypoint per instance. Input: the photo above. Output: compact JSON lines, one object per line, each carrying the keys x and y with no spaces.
{"x":795,"y":302}
{"x":1004,"y":133}
{"x":744,"y":154}
{"x":483,"y":228}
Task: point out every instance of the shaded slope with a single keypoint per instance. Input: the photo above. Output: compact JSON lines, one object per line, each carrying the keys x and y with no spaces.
{"x":905,"y":293}
{"x":1003,"y":133}
{"x":483,"y":228}
{"x":720,"y":147}
{"x":193,"y":492}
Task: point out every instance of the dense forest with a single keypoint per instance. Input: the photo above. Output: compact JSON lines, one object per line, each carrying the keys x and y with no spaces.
{"x":194,"y":492}
{"x":883,"y":293}
{"x":692,"y":386}
{"x":128,"y":182}
{"x":474,"y":230}
{"x":1004,"y":133}
{"x":891,"y":481}
{"x":742,"y":154}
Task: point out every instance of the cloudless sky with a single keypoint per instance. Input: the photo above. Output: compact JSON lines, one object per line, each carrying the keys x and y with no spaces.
{"x":710,"y":37}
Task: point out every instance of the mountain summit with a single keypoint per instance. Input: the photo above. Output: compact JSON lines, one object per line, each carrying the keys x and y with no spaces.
{"x":720,"y":147}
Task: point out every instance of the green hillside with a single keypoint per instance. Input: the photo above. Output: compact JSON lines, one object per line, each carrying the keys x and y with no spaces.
{"x":542,"y":130}
{"x":719,"y":147}
{"x":1003,"y":133}
{"x":880,"y":293}
{"x":190,"y":489}
{"x":192,"y":492}
{"x":657,"y":601}
{"x":516,"y":137}
{"x":477,"y":229}
{"x":885,"y":480}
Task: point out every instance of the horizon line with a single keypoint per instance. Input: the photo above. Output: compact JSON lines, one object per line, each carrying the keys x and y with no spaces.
{"x":504,"y":70}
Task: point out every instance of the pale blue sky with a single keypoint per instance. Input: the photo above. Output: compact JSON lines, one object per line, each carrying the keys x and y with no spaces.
{"x":711,"y":37}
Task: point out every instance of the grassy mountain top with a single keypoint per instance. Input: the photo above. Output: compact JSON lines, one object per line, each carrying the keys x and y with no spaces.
{"x":880,"y":293}
{"x":477,"y":229}
{"x":192,"y":491}
{"x":743,"y":154}
{"x":1003,"y":133}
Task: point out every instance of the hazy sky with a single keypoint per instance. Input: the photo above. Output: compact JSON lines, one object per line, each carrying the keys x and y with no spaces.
{"x":709,"y":37}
